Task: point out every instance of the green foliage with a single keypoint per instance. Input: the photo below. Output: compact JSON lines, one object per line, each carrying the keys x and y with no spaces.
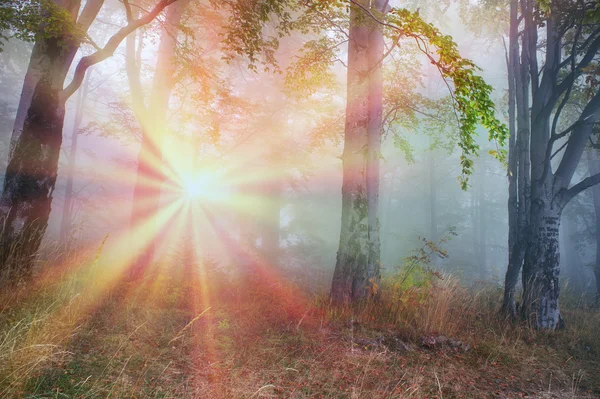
{"x":247,"y":35}
{"x":312,"y":71}
{"x":471,"y":94}
{"x":410,"y":288}
{"x":30,"y":20}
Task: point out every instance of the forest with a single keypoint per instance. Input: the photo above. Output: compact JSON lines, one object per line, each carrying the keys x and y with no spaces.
{"x":300,"y":199}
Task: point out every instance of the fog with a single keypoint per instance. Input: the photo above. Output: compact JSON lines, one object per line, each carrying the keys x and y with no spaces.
{"x":250,"y":158}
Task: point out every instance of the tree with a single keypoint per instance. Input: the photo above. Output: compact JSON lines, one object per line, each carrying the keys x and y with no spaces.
{"x":67,"y":214}
{"x":569,"y":34}
{"x":357,"y":269}
{"x":36,"y":141}
{"x":152,"y":119}
{"x":594,"y":169}
{"x":358,"y":258}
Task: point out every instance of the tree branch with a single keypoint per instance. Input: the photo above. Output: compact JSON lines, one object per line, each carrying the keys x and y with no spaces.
{"x":108,"y":50}
{"x":128,"y":12}
{"x":585,"y":61}
{"x":579,"y":187}
{"x":89,"y":13}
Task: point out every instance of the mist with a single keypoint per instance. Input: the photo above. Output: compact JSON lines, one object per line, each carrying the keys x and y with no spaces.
{"x":384,"y":172}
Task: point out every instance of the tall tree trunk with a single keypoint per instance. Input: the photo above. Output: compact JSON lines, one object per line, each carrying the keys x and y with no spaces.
{"x":541,"y":267}
{"x":433,"y":227}
{"x":540,"y":228}
{"x":543,"y":190}
{"x":350,"y":277}
{"x":358,"y":260}
{"x":509,"y":307}
{"x":433,"y":231}
{"x":149,"y":177}
{"x":67,"y":215}
{"x":374,"y":131}
{"x":594,"y":168}
{"x":32,"y":77}
{"x":33,"y":163}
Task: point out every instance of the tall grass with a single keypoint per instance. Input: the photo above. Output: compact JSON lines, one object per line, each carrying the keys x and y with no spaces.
{"x":256,"y":336}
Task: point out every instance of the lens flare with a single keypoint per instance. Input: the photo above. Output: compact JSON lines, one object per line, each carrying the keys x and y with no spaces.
{"x":196,"y":188}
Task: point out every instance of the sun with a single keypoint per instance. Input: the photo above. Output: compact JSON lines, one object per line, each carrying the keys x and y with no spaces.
{"x":195,"y":188}
{"x":207,"y":186}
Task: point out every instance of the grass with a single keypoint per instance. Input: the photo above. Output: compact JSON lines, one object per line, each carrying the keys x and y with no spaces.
{"x":219,"y":336}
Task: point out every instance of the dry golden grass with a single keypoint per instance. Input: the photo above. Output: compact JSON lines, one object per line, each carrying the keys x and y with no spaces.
{"x":73,"y":337}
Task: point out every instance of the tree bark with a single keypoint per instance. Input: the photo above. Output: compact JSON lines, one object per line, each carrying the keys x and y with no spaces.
{"x":350,"y":276}
{"x":542,"y":193}
{"x":541,"y":267}
{"x":33,"y":164}
{"x":357,"y":270}
{"x":374,"y":132}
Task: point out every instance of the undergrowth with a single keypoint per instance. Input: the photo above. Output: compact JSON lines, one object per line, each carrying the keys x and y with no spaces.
{"x":203,"y":331}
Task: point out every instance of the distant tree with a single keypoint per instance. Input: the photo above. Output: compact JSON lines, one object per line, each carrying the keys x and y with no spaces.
{"x":152,"y":119}
{"x":67,"y":213}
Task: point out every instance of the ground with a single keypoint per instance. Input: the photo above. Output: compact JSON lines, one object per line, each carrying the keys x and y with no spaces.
{"x":157,"y":339}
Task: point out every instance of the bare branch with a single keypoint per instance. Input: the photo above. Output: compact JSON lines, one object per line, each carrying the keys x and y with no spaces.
{"x":128,"y":11}
{"x":108,"y":50}
{"x":584,"y":184}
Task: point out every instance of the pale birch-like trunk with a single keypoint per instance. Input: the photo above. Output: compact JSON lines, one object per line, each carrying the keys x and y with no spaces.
{"x":511,"y":279}
{"x":149,"y":174}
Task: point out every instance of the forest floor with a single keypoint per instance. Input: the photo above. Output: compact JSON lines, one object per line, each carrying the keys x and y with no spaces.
{"x":162,"y":338}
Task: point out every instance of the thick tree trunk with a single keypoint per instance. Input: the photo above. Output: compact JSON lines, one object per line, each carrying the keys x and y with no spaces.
{"x":357,"y":269}
{"x":31,"y":172}
{"x":32,"y":77}
{"x":350,"y":276}
{"x":33,"y":164}
{"x":541,"y":267}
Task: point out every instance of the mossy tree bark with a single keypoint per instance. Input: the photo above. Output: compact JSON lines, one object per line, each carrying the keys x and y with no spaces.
{"x":357,"y":269}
